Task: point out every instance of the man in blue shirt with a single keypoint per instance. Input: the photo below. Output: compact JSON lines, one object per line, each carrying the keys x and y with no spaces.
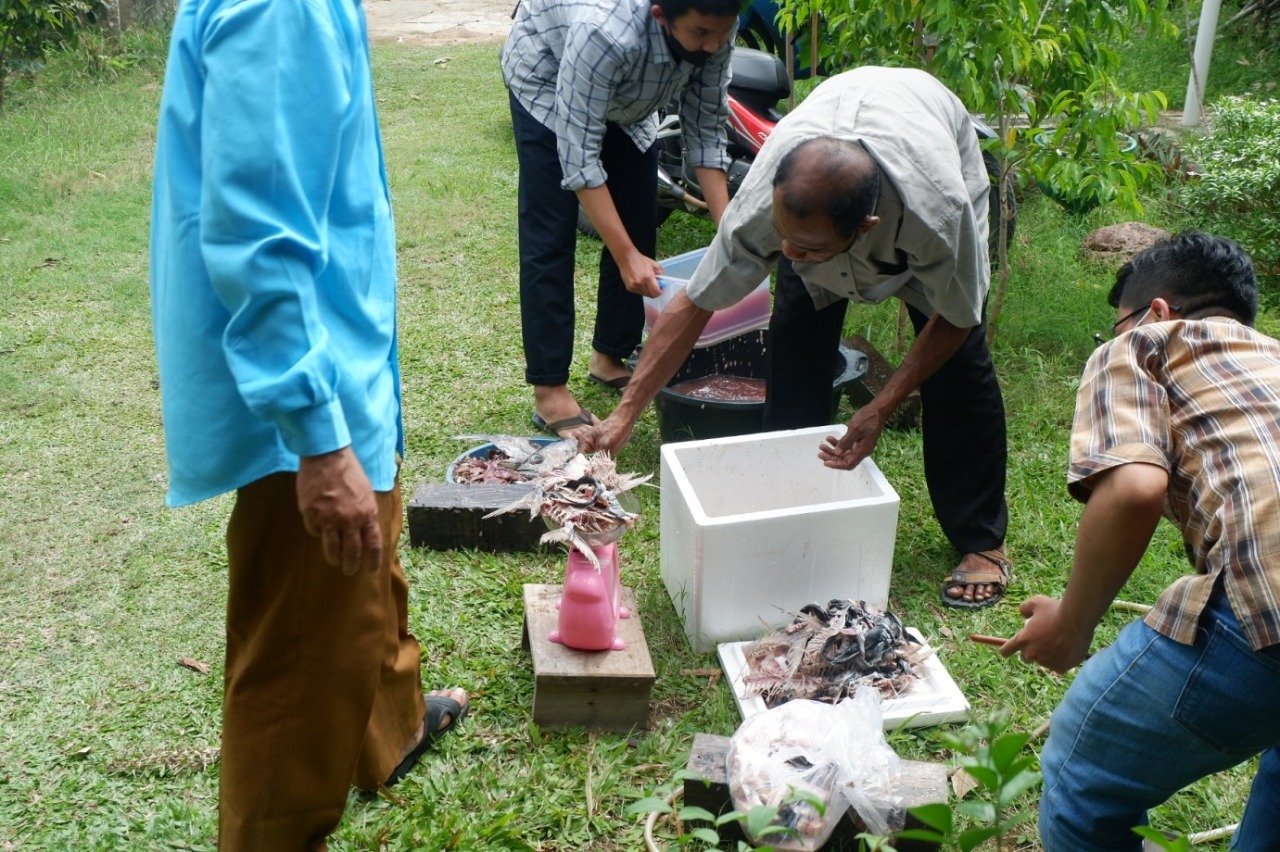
{"x":273,"y":293}
{"x":585,"y":79}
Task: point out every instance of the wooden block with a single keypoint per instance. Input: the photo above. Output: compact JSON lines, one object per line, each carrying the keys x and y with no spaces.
{"x":907,"y":414}
{"x":919,"y":783}
{"x":608,"y":690}
{"x":446,"y":516}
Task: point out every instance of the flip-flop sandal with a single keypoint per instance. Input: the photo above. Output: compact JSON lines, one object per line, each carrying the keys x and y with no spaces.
{"x":619,"y":384}
{"x":437,"y":707}
{"x":998,"y":578}
{"x":559,"y":427}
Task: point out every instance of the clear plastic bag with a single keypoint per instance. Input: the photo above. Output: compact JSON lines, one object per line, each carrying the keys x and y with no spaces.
{"x":834,"y":752}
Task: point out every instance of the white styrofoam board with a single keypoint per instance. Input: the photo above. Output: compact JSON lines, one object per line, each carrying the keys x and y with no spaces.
{"x":933,"y":699}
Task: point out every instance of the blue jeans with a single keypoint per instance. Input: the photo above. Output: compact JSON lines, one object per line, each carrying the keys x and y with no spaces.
{"x":1146,"y":717}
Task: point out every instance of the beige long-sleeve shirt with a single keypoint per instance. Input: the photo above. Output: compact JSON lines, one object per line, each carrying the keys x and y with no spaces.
{"x":930,"y":248}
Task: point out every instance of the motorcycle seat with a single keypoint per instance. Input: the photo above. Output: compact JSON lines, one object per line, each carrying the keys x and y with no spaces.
{"x":759,"y":79}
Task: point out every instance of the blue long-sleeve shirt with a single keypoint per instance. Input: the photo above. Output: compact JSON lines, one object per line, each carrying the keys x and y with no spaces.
{"x":272,"y":247}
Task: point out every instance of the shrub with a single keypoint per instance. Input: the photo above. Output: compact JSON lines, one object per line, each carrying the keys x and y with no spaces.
{"x":1235,"y":185}
{"x":30,"y":27}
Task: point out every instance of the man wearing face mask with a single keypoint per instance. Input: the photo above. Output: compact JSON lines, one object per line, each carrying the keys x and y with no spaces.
{"x":873,"y":188}
{"x":585,"y":78}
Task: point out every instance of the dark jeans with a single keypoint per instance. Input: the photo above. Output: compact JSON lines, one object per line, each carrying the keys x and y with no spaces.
{"x":965,"y":450}
{"x":548,"y":237}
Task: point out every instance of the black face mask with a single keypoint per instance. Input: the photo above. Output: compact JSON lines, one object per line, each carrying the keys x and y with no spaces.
{"x":696,"y":58}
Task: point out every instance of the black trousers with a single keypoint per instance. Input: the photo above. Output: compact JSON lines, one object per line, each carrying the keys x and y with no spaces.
{"x":548,"y":238}
{"x":965,"y":449}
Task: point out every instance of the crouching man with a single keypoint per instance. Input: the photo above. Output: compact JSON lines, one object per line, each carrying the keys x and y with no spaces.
{"x":1178,"y":415}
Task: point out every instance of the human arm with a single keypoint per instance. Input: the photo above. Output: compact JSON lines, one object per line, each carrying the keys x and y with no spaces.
{"x":272,"y":151}
{"x":669,"y":344}
{"x":639,"y":272}
{"x":338,"y":506}
{"x":592,"y":67}
{"x":704,"y":113}
{"x":936,"y":343}
{"x":715,"y":190}
{"x":1115,"y":529}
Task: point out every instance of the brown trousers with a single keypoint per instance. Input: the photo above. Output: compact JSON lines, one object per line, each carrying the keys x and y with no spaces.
{"x":323,"y":688}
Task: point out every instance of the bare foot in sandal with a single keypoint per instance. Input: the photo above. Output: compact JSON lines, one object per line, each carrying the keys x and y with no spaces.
{"x":445,"y":708}
{"x":978,"y":581}
{"x":555,"y":410}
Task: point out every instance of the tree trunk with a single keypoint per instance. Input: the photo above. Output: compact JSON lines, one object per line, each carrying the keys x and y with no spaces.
{"x":1002,"y":241}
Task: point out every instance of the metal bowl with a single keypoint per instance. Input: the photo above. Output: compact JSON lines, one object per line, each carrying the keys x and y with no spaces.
{"x":483,"y":451}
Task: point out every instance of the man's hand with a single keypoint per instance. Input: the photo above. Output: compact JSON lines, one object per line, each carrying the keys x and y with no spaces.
{"x":857,"y":442}
{"x":1046,"y":638}
{"x":640,"y":274}
{"x":669,"y":344}
{"x":1123,"y":509}
{"x":337,"y":504}
{"x":933,"y":346}
{"x":612,"y":435}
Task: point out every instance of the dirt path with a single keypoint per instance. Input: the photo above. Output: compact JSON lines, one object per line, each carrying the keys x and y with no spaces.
{"x":438,"y":22}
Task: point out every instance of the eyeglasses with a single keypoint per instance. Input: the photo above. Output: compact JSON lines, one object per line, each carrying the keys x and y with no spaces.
{"x":1099,"y":339}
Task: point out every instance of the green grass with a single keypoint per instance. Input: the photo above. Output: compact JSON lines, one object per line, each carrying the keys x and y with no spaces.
{"x":1244,"y":57}
{"x":107,"y":743}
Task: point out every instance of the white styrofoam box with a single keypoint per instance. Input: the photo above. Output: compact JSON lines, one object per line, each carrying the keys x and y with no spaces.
{"x":934,"y":699}
{"x":751,"y":313}
{"x":754,"y":527}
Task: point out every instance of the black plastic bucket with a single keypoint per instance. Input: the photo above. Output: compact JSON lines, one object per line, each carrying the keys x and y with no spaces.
{"x":685,"y":418}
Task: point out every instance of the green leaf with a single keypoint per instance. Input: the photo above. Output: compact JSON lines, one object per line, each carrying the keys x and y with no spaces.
{"x":1177,"y":844}
{"x":1010,"y":822}
{"x":650,"y":805}
{"x":922,"y":834}
{"x":759,"y":818}
{"x":985,"y":776}
{"x":937,"y":815}
{"x":1016,"y":786}
{"x":1006,"y":749}
{"x":690,"y":812}
{"x":984,"y":811}
{"x":975,"y":837}
{"x":874,"y":842}
{"x":706,"y":835}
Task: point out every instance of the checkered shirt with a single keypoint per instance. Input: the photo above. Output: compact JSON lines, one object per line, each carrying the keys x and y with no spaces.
{"x":575,"y":64}
{"x":1201,"y":399}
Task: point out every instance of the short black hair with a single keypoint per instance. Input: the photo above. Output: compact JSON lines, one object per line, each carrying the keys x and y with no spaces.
{"x":1193,"y":270}
{"x":848,"y":191}
{"x":672,"y":9}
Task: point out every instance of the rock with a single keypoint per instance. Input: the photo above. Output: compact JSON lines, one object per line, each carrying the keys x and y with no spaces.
{"x":1121,"y":242}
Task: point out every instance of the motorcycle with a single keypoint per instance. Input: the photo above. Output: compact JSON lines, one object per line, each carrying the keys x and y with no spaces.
{"x":758,"y":84}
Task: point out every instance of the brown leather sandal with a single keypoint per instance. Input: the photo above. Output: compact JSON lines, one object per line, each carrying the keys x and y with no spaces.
{"x":999,"y":577}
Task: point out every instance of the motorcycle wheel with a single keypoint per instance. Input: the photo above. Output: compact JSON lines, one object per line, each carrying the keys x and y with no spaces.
{"x":758,"y":35}
{"x":589,"y":230}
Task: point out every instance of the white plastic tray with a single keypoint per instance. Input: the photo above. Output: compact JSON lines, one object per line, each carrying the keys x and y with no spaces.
{"x":933,"y":699}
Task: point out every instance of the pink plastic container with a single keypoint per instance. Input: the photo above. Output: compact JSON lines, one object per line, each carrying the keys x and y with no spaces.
{"x":591,"y":603}
{"x":748,"y":315}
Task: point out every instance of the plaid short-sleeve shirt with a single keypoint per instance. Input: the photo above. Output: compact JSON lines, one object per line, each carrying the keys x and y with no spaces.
{"x":1201,"y":399}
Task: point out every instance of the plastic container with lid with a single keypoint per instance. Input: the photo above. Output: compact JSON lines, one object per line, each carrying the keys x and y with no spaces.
{"x":748,"y":315}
